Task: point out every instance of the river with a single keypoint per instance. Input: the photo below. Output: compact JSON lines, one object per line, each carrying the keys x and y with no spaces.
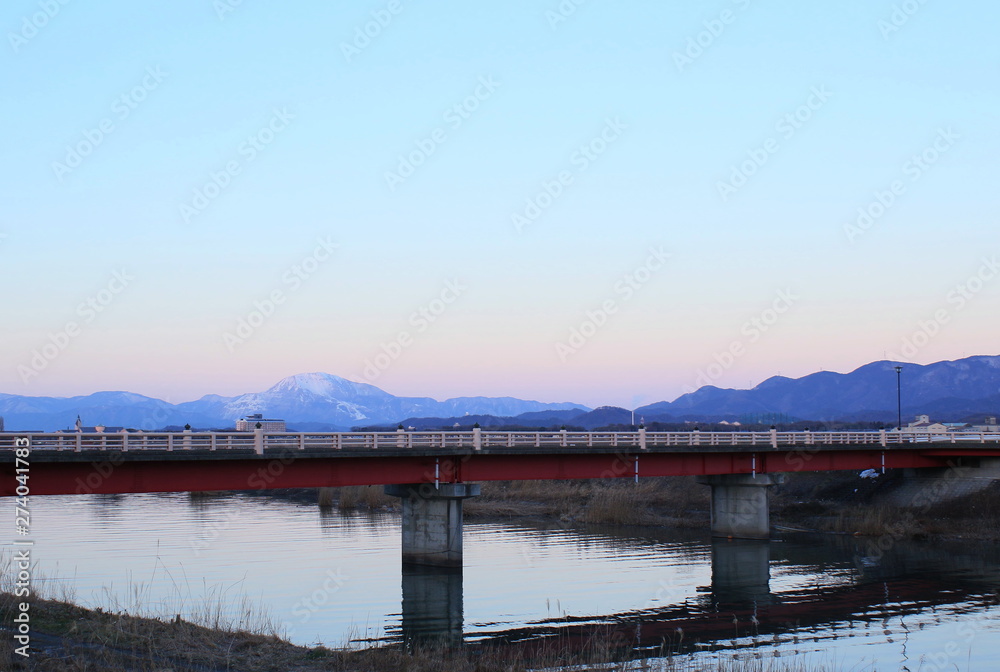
{"x":322,"y":576}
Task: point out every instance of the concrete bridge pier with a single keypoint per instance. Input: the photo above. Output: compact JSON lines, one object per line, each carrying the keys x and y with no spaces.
{"x":740,"y":504}
{"x":432,"y":521}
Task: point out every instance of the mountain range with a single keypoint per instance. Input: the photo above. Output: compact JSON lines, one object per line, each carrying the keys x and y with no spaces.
{"x":307,"y":402}
{"x":948,"y":390}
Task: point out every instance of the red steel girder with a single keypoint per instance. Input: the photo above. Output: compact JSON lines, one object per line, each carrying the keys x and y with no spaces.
{"x":110,"y":473}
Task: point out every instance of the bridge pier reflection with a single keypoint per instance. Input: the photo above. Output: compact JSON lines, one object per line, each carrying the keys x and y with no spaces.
{"x":741,"y":571}
{"x":432,"y":605}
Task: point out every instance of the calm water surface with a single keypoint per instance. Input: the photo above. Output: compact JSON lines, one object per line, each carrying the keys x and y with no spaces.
{"x":332,"y":578}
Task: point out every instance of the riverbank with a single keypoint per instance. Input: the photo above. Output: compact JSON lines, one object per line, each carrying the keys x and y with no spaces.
{"x":828,"y":502}
{"x":69,"y":638}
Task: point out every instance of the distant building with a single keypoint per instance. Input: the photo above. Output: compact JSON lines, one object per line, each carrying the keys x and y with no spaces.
{"x":923,"y":425}
{"x":248,"y":423}
{"x":79,"y":428}
{"x":989,"y":425}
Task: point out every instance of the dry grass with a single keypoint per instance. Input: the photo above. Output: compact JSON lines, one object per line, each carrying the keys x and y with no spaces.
{"x":74,"y":639}
{"x":371,"y":497}
{"x":325,"y":497}
{"x":842,"y":503}
{"x":677,"y":502}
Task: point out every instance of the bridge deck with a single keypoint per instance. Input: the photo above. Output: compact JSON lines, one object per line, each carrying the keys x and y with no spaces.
{"x":176,"y":462}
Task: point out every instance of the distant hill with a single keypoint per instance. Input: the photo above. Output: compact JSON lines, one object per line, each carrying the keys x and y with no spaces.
{"x":309,"y":401}
{"x":945,"y":390}
{"x":951,"y":390}
{"x":531,"y":419}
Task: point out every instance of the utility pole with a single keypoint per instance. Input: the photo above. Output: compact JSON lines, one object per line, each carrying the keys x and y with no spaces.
{"x":899,"y":400}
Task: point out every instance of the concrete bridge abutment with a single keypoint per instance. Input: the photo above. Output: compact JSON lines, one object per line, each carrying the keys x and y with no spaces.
{"x":740,"y":504}
{"x":432,"y":522}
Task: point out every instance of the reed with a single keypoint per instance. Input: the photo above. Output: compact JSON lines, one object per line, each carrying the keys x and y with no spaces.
{"x":325,"y":497}
{"x":348,"y":497}
{"x":678,"y":502}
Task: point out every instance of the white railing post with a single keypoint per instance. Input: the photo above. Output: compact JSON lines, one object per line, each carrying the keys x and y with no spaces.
{"x":258,"y":440}
{"x":170,"y":440}
{"x":125,"y":442}
{"x":477,"y":438}
{"x":774,"y":438}
{"x":642,"y":438}
{"x":562,"y":438}
{"x":79,"y":443}
{"x":881,"y":437}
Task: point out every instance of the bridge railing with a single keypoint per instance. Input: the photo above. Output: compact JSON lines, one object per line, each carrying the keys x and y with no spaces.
{"x":473,"y":440}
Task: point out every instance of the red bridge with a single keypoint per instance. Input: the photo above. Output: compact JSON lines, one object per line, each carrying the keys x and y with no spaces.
{"x":434,"y":471}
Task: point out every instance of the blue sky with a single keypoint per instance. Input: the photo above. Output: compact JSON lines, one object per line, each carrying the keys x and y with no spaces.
{"x":603,"y":202}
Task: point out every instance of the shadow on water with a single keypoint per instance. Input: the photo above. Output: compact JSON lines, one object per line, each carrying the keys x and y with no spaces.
{"x":862,"y":582}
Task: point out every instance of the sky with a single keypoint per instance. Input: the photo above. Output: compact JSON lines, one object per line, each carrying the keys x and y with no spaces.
{"x":587,"y":201}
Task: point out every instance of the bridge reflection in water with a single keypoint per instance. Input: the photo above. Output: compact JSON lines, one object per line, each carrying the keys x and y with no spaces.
{"x":739,"y":608}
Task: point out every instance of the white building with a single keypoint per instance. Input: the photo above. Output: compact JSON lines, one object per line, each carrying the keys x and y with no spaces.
{"x":923,"y":425}
{"x":248,"y":423}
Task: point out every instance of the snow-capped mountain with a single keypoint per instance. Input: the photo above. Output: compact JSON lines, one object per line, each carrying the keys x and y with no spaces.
{"x":311,"y":400}
{"x":325,"y":398}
